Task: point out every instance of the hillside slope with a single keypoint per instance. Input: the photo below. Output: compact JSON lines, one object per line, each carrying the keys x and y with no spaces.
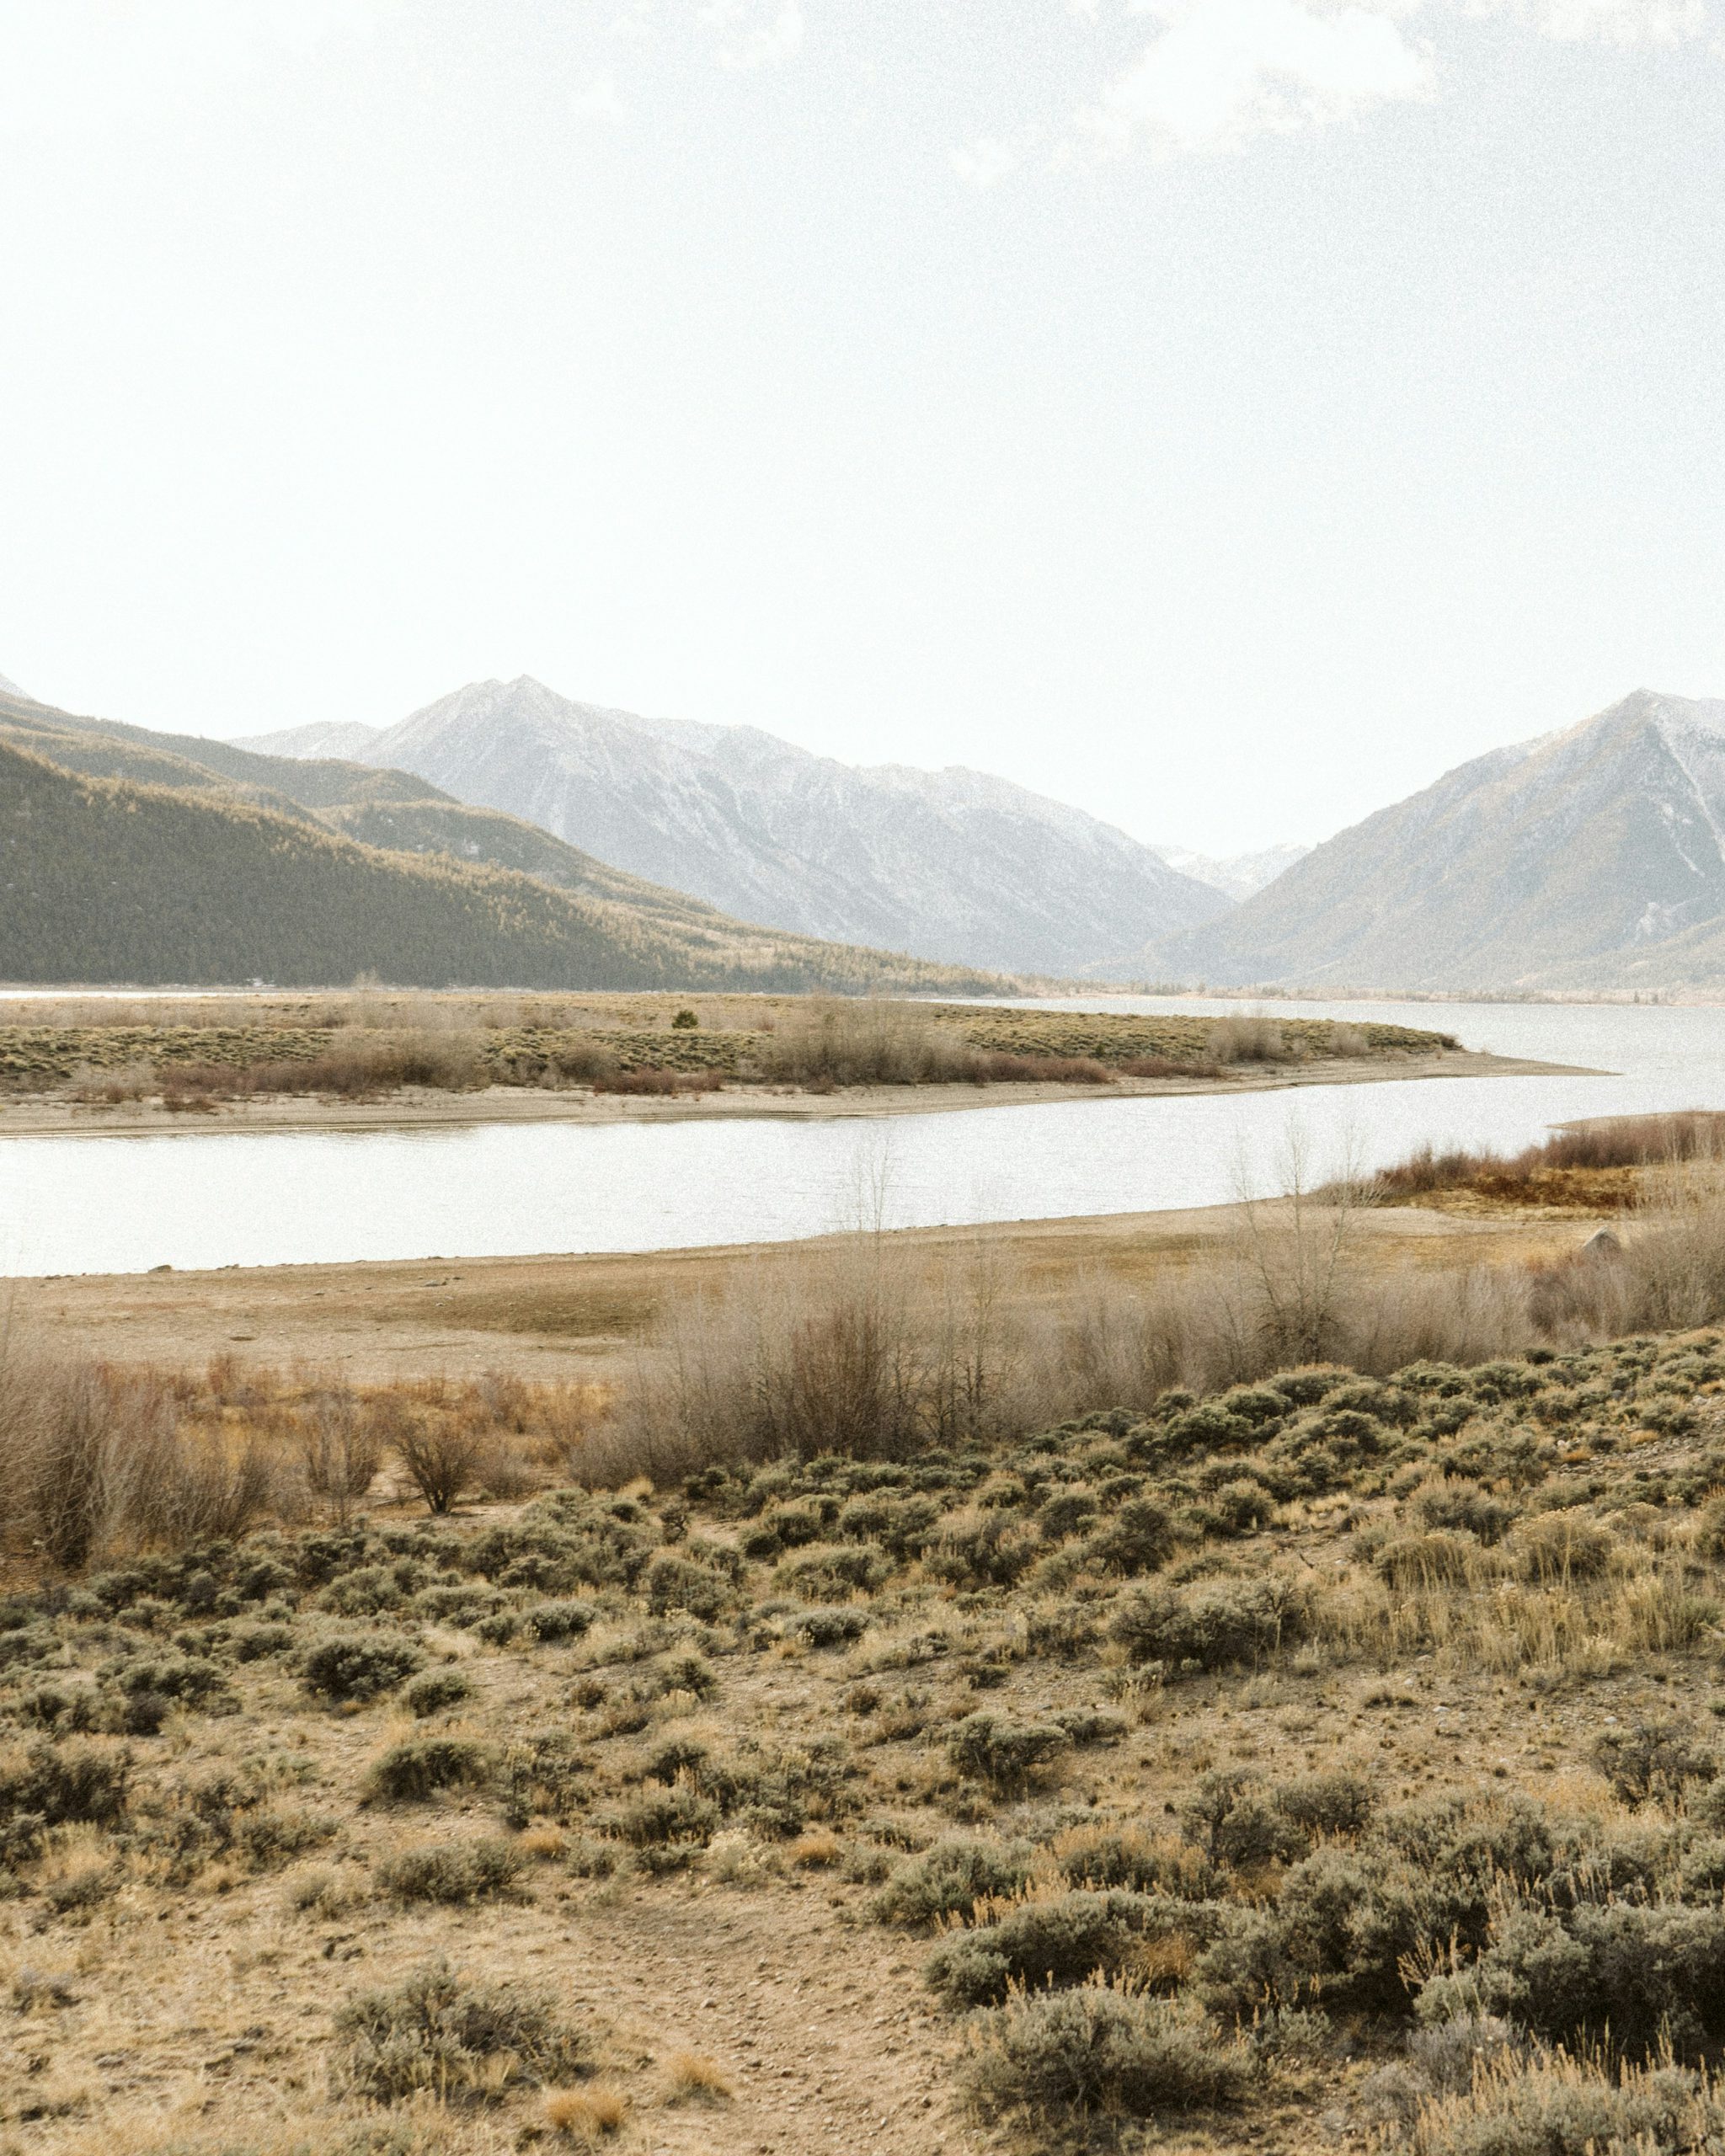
{"x":950,"y":865}
{"x":105,"y":879}
{"x":1594,"y":858}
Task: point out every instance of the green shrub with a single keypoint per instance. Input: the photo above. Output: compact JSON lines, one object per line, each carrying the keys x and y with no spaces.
{"x":1549,"y":2104}
{"x":949,"y":1880}
{"x":1059,"y":1941}
{"x":359,"y":1665}
{"x":58,"y":1783}
{"x":1137,"y":1538}
{"x":1232,"y":1621}
{"x":991,"y":1549}
{"x":277,"y":1833}
{"x":452,"y":1872}
{"x":673,"y":1583}
{"x":655,"y":1818}
{"x":1109,"y":1855}
{"x":1004,"y":1754}
{"x":438,"y":2033}
{"x":829,"y":1573}
{"x":828,"y":1627}
{"x":437,"y":1691}
{"x":1103,"y":2049}
{"x":410,"y":1772}
{"x":554,"y":1621}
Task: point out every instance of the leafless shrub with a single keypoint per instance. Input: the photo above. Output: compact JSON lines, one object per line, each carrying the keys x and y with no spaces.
{"x":1248,"y":1037}
{"x":339,"y":1448}
{"x":865,"y":1043}
{"x":441,"y":1444}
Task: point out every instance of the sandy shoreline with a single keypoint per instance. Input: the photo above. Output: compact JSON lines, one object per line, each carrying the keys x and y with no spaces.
{"x":554,"y":1317}
{"x":38,"y":1116}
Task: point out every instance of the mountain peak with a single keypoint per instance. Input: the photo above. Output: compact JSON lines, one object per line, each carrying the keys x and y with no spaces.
{"x":956,"y":865}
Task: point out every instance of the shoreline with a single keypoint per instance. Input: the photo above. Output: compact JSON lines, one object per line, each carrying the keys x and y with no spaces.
{"x":43,"y":1116}
{"x":577,"y":1318}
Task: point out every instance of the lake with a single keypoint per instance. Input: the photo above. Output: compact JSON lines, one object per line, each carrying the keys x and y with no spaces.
{"x":204,"y":1199}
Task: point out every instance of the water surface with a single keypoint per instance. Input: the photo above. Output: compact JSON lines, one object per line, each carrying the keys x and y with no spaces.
{"x":203,"y":1198}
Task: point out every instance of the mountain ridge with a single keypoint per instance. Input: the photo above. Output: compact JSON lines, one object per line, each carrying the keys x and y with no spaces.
{"x":957,"y":865}
{"x":1594,"y":854}
{"x":121,"y":860}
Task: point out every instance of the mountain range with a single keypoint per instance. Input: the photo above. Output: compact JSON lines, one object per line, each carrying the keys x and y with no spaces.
{"x":1236,"y":875}
{"x":1591,"y":858}
{"x":950,"y":865}
{"x":127,"y":855}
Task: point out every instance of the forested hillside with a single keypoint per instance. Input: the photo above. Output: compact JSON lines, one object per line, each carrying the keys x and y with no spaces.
{"x":105,"y":879}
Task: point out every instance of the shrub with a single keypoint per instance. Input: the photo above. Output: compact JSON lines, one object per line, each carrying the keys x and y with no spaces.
{"x":828,"y":1628}
{"x":552,"y":1621}
{"x":1100,"y":2048}
{"x":55,"y":1784}
{"x":1652,"y":1759}
{"x":1137,"y":1538}
{"x":359,"y":1665}
{"x":410,"y":1772}
{"x":1004,"y":1754}
{"x":949,"y":1880}
{"x":1549,"y":2104}
{"x":1559,"y":1546}
{"x":835,"y":1570}
{"x":443,"y":1450}
{"x":440,"y":2033}
{"x":1058,"y":1942}
{"x":673,"y":1583}
{"x":452,"y":1872}
{"x":1235,"y":1621}
{"x":437,"y":1691}
{"x":656,"y":1818}
{"x":1105,"y":1856}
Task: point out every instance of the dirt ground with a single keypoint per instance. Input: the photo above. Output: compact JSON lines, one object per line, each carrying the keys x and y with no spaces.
{"x":575,"y":1317}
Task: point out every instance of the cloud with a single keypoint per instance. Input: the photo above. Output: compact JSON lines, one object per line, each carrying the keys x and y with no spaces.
{"x":74,"y":64}
{"x":1223,"y":71}
{"x":754,"y":33}
{"x":1622,"y":22}
{"x":598,"y":98}
{"x":986,"y":162}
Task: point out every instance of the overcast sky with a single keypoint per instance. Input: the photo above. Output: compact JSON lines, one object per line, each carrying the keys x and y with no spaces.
{"x":1225,"y":414}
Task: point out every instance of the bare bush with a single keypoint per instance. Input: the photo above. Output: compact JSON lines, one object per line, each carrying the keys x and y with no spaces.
{"x":339,"y":1448}
{"x":1248,"y":1037}
{"x":442,"y":1445}
{"x":864,"y":1043}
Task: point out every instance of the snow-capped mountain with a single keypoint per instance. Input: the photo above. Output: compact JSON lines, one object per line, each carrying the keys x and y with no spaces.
{"x":1593,"y":857}
{"x":951,"y":864}
{"x":1238,"y":874}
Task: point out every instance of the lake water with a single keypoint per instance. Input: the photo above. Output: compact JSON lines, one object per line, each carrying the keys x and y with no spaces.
{"x":205,"y":1199}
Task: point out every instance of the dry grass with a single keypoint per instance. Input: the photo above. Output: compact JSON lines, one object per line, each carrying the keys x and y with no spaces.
{"x":586,"y":2116}
{"x":692,"y":2075}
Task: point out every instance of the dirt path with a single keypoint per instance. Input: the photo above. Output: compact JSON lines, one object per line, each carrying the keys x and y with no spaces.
{"x":823,"y":2030}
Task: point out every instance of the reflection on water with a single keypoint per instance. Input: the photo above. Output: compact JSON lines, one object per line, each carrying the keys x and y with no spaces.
{"x":111,"y":1205}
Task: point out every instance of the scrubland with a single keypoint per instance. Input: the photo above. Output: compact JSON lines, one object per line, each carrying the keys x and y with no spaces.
{"x":194,"y":1054}
{"x":1274,"y":1707}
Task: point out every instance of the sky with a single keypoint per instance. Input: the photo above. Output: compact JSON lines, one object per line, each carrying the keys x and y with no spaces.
{"x":1224,"y":414}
